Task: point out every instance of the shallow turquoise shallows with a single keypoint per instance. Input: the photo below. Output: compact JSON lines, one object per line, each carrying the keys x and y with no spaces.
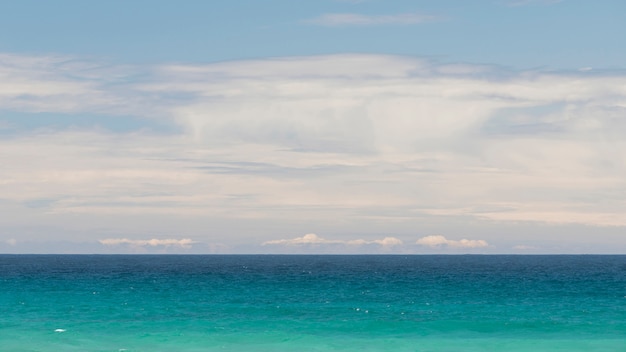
{"x":312,"y":303}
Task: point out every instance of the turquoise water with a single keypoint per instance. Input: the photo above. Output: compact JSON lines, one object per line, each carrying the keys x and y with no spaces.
{"x":312,"y":303}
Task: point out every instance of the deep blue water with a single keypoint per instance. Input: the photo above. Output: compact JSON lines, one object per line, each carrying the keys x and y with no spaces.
{"x":312,"y":303}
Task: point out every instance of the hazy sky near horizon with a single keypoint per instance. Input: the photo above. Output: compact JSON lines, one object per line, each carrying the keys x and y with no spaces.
{"x":326,"y":126}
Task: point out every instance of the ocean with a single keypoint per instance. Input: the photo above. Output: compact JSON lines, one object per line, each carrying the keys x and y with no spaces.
{"x":312,"y":303}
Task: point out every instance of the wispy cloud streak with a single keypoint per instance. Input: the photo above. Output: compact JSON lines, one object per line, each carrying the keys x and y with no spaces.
{"x":354,"y":19}
{"x":516,"y":3}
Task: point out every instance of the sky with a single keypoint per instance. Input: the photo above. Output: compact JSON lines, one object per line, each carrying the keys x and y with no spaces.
{"x":326,"y":126}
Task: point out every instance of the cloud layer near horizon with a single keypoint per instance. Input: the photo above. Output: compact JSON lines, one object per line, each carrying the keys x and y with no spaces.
{"x":356,"y":142}
{"x":313,"y":239}
{"x":154,"y":242}
{"x":439,"y":240}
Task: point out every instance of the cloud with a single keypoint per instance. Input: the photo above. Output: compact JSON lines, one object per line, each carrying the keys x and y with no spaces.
{"x":11,"y":241}
{"x":358,"y":143}
{"x":353,"y":19}
{"x":438,"y":240}
{"x":353,"y":1}
{"x":388,"y":241}
{"x":184,"y":243}
{"x":58,"y":83}
{"x":515,"y":3}
{"x":310,"y":238}
{"x":313,"y":239}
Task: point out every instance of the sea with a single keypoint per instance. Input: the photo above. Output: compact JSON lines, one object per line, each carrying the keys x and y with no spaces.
{"x":312,"y":303}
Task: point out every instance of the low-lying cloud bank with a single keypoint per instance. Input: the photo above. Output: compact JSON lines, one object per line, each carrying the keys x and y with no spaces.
{"x":438,"y":241}
{"x":434,"y":242}
{"x":312,"y":239}
{"x":183,"y":243}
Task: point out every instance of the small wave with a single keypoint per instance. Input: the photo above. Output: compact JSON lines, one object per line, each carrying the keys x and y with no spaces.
{"x":60,"y":330}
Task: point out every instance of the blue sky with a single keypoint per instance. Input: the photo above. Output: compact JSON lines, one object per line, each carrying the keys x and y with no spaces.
{"x":513,"y":33}
{"x":354,"y":126}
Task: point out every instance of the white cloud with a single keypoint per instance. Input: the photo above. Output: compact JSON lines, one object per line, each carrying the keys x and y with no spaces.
{"x":60,"y":84}
{"x":154,"y":242}
{"x":359,"y":143}
{"x":310,"y":238}
{"x":353,"y":19}
{"x":388,"y":241}
{"x":11,"y":241}
{"x":438,"y":240}
{"x":313,"y":239}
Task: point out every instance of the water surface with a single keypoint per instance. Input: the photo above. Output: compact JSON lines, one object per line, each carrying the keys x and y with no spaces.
{"x":312,"y":303}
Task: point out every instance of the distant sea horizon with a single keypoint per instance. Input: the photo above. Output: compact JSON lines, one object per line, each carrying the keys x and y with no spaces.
{"x":309,"y":254}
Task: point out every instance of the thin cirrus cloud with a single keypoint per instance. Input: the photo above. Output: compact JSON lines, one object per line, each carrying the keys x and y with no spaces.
{"x":352,"y":1}
{"x":58,"y":83}
{"x":516,"y":3}
{"x":355,"y":19}
{"x":439,"y":241}
{"x":313,"y":239}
